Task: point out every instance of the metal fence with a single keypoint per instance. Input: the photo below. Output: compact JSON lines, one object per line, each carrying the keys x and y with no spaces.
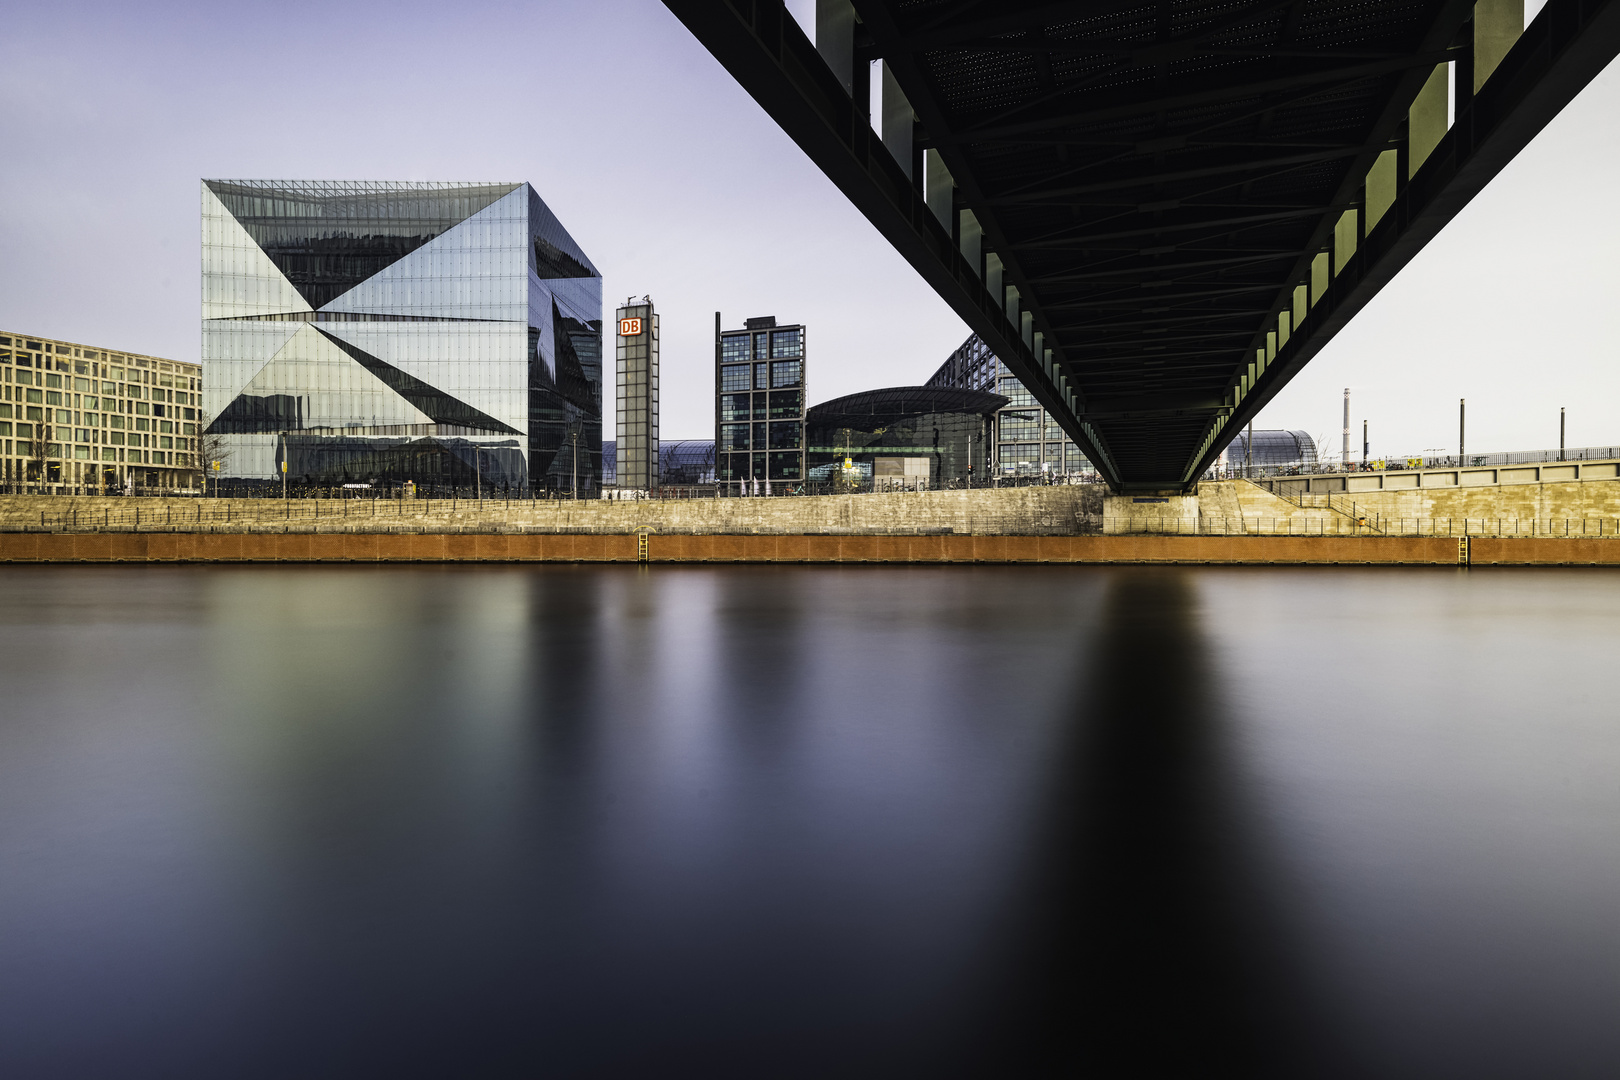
{"x":1607,"y":528}
{"x":1412,"y":462}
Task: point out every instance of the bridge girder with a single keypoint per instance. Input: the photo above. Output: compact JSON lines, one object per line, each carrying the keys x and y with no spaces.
{"x":1156,"y":214}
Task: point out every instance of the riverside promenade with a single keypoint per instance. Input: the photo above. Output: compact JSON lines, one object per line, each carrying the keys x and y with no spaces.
{"x":1237,"y":523}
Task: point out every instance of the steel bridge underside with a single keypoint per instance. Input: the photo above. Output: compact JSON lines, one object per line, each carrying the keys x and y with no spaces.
{"x":1156,"y":213}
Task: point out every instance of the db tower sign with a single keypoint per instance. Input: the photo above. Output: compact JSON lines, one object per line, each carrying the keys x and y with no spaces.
{"x":636,"y":394}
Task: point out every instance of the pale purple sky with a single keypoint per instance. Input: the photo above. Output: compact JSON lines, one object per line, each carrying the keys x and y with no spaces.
{"x":677,"y":184}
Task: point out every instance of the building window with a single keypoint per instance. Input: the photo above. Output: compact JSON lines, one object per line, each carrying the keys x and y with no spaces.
{"x":785,"y":436}
{"x":1019,"y":427}
{"x":734,"y":348}
{"x":787,"y":343}
{"x":786,"y":403}
{"x":734,"y":436}
{"x":762,"y":347}
{"x":734,"y":407}
{"x":734,"y":378}
{"x":787,"y":373}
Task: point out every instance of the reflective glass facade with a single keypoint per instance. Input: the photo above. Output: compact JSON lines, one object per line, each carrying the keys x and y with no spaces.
{"x":759,"y":412}
{"x":1027,"y":441}
{"x":391,"y":331}
{"x":947,"y":428}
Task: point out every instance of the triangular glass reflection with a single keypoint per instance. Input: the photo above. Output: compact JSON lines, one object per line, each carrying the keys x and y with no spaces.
{"x":327,"y":238}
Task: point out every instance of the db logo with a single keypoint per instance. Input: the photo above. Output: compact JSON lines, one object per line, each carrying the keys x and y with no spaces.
{"x":629,"y":327}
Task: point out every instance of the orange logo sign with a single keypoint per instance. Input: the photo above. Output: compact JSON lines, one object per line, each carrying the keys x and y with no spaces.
{"x":629,"y":327}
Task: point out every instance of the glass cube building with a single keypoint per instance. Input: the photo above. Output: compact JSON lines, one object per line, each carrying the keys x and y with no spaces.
{"x":394,"y":331}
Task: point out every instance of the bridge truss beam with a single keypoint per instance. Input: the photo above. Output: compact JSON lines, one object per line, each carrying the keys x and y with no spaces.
{"x":1156,"y":214}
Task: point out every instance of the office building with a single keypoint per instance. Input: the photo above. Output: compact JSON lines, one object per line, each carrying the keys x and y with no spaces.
{"x":394,"y":331}
{"x":759,"y":403}
{"x":903,"y":437}
{"x":636,"y":383}
{"x":1027,"y":440}
{"x":88,"y":417}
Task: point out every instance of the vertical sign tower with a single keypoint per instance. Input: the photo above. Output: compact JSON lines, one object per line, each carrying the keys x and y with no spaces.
{"x":759,"y":407}
{"x":636,"y":378}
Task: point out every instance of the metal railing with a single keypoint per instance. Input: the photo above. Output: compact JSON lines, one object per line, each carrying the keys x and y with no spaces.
{"x":1607,"y":528}
{"x":1414,"y":462}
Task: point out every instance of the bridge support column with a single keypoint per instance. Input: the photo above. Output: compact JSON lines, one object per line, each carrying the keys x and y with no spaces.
{"x":835,"y":39}
{"x":1319,"y":276}
{"x":1382,"y":186}
{"x":1426,"y":120}
{"x":1344,"y":239}
{"x":1497,"y":25}
{"x":971,"y":241}
{"x":898,"y":122}
{"x":939,"y":190}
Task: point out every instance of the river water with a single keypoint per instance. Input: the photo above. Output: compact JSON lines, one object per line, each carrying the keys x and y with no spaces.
{"x":809,"y":821}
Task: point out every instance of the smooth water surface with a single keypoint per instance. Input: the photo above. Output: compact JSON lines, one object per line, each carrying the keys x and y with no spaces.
{"x":808,"y":821}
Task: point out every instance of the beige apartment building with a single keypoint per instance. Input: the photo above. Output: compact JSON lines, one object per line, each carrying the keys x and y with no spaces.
{"x":87,"y":419}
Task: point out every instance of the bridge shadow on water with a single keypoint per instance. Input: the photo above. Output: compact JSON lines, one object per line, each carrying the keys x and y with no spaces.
{"x":1154,"y":946}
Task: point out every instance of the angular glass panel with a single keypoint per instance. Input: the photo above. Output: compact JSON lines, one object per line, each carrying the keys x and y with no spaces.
{"x":325,"y":238}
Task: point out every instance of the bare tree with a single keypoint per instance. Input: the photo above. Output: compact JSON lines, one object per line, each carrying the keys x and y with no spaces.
{"x":211,"y":447}
{"x":37,"y":447}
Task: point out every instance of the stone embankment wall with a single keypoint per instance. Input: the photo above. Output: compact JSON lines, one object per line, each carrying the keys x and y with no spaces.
{"x":355,"y":547}
{"x":1027,"y":511}
{"x":1232,"y":507}
{"x":1558,"y":501}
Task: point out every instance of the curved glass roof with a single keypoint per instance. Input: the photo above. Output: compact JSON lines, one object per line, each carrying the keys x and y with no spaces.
{"x":872,"y":409}
{"x":1274,"y":448}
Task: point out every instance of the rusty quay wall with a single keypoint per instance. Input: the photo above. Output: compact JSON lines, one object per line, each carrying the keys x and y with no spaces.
{"x":351,"y":547}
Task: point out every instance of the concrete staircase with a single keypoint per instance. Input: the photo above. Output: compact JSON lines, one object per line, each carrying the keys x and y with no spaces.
{"x":1271,"y":514}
